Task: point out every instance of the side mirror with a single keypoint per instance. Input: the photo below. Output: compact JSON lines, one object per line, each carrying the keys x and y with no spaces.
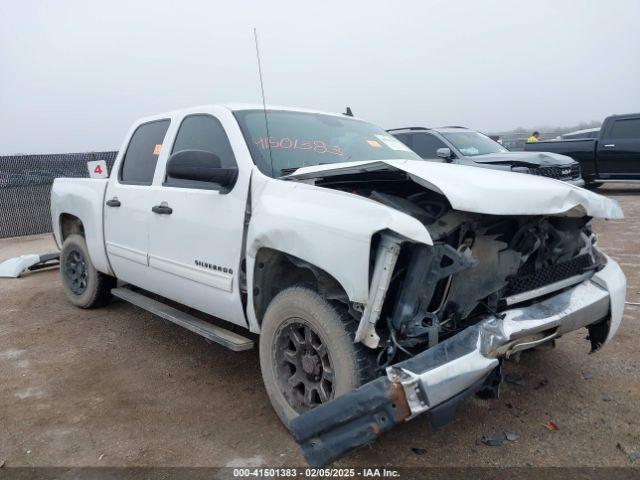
{"x":198,"y":166}
{"x":445,"y":153}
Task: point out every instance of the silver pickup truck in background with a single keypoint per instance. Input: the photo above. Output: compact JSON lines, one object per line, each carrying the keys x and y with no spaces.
{"x":381,"y":286}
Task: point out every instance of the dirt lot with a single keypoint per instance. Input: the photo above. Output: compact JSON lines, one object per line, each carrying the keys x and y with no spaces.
{"x":119,"y":387}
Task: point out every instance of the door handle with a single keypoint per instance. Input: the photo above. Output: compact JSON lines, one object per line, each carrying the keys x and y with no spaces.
{"x":610,"y":145}
{"x":114,"y":202}
{"x":162,"y":209}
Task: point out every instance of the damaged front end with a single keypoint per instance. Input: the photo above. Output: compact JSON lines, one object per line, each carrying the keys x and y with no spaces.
{"x":443,"y":317}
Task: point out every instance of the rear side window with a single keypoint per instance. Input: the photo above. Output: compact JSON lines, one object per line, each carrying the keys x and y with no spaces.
{"x":139,"y":162}
{"x":404,"y":138}
{"x":629,"y":128}
{"x":426,"y":145}
{"x":204,"y":132}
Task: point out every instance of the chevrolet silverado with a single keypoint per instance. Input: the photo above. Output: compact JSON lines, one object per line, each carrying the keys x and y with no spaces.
{"x":378,"y":286}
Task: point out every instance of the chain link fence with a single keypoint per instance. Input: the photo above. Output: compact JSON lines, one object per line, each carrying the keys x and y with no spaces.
{"x":25,"y":188}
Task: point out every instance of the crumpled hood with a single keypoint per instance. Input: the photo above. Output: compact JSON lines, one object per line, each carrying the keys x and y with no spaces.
{"x":480,"y":190}
{"x":539,"y":159}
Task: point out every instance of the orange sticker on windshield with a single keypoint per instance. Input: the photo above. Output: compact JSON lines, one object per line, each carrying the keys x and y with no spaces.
{"x":156,"y":150}
{"x":373,"y":143}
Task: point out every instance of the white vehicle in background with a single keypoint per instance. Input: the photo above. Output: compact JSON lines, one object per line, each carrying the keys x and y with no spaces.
{"x":381,"y":286}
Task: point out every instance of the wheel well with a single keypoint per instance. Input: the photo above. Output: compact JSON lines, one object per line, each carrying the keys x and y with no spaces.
{"x":70,"y":224}
{"x":275,"y":271}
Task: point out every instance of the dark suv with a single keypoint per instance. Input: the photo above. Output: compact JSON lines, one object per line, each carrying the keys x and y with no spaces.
{"x":468,"y":147}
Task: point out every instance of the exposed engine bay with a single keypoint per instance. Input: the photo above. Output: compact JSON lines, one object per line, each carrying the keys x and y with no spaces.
{"x":505,"y":263}
{"x":478,"y":265}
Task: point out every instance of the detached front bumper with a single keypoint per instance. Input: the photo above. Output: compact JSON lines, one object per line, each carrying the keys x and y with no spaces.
{"x":435,"y":380}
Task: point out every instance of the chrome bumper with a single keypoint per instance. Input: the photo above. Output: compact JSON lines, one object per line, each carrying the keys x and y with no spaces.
{"x":456,"y":364}
{"x":435,"y":380}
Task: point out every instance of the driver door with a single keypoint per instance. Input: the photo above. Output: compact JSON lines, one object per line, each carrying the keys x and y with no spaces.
{"x":195,"y":240}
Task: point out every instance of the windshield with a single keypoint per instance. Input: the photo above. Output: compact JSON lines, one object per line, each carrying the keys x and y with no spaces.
{"x":471,"y":144}
{"x":299,"y":139}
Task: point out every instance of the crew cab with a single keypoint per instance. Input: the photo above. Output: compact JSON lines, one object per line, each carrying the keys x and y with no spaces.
{"x":612,"y":156}
{"x":378,"y":286}
{"x":468,"y":147}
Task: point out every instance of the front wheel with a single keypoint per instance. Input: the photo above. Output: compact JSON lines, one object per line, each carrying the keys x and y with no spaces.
{"x":84,"y":285}
{"x":307,"y":354}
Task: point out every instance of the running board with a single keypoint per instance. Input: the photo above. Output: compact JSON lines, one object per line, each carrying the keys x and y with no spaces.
{"x":217,"y":334}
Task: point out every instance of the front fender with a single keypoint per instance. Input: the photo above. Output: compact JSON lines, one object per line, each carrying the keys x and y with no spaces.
{"x":327,"y":228}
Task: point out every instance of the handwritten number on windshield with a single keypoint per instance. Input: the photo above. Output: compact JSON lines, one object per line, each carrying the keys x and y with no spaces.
{"x":286,"y":143}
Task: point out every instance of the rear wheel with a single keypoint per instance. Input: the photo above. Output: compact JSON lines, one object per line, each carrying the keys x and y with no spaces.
{"x":307,"y":354}
{"x":84,"y":285}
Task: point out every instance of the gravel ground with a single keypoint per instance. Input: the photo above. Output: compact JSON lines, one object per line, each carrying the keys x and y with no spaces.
{"x":119,"y":387}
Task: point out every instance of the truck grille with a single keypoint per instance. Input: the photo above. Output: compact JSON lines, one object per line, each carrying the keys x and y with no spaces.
{"x":559,"y":173}
{"x":548,"y":275}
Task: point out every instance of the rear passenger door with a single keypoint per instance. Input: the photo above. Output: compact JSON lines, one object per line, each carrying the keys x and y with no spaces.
{"x":619,"y":150}
{"x":128,"y":203}
{"x":195,"y":250}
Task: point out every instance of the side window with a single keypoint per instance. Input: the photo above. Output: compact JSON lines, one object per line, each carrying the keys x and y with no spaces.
{"x":626,"y":129}
{"x":404,"y":138}
{"x":426,"y":145}
{"x":139,"y":162}
{"x":204,"y":132}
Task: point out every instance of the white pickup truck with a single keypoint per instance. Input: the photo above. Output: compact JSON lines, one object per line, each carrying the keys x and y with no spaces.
{"x":381,"y":286}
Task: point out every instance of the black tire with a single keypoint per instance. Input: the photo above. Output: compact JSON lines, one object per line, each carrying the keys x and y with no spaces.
{"x":350,"y":365}
{"x":593,"y":185}
{"x":84,"y":285}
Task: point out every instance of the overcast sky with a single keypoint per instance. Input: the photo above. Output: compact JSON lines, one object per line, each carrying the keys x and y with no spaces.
{"x":75,"y":74}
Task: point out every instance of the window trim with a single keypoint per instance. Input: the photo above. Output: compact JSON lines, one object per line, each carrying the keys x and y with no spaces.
{"x":195,"y":185}
{"x":621,"y":120}
{"x":124,"y":156}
